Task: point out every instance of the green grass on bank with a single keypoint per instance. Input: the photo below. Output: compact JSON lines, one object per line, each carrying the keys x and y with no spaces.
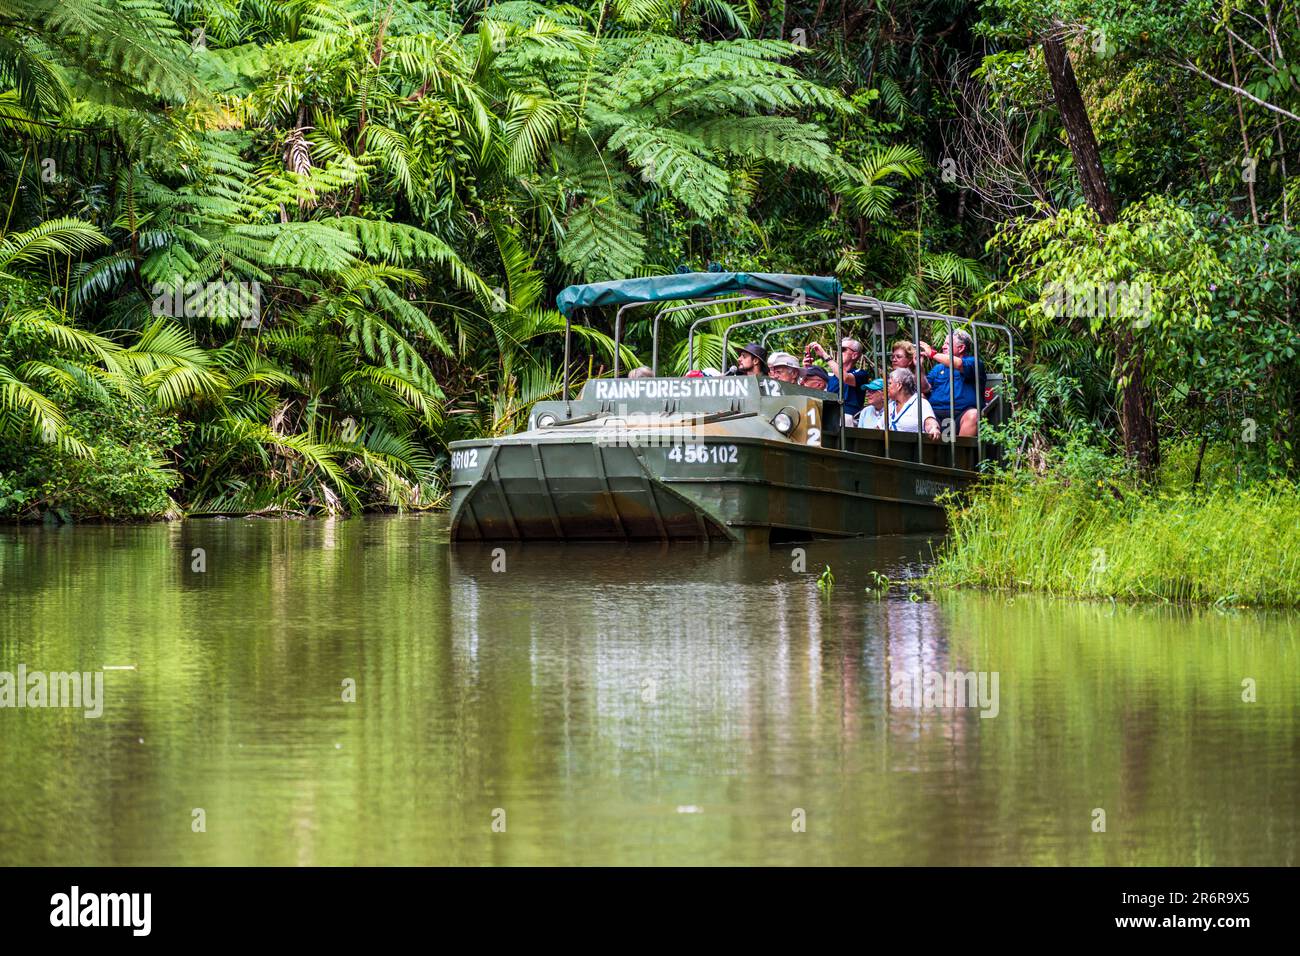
{"x":1229,"y":545}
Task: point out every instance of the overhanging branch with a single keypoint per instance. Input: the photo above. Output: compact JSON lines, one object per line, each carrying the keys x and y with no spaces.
{"x":1193,"y":68}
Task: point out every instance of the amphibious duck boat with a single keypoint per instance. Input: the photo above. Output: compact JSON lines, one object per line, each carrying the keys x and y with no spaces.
{"x":742,"y":458}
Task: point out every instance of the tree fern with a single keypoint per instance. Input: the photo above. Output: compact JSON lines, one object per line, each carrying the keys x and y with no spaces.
{"x":61,"y":236}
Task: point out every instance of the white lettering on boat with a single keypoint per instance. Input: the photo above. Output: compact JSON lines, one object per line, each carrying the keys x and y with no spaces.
{"x":624,"y":388}
{"x":464,"y":459}
{"x":928,"y":488}
{"x":704,"y":454}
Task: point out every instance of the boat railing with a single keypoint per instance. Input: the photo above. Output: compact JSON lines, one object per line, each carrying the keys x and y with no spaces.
{"x":859,"y":307}
{"x":654,"y":339}
{"x":726,"y":333}
{"x":804,"y":310}
{"x":798,"y":326}
{"x":975,"y":325}
{"x":690,"y":336}
{"x":950,"y":322}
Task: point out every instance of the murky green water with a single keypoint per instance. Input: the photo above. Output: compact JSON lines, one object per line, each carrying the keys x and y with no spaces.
{"x":620,"y":704}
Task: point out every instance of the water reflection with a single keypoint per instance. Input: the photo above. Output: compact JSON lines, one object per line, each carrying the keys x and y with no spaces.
{"x":590,"y":692}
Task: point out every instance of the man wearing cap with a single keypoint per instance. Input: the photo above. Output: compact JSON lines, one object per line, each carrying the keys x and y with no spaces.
{"x":784,"y":367}
{"x":854,"y":377}
{"x":873,"y":413}
{"x":751,"y":360}
{"x":814,"y":376}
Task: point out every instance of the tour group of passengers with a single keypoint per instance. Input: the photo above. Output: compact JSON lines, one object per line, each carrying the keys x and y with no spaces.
{"x":951,"y":389}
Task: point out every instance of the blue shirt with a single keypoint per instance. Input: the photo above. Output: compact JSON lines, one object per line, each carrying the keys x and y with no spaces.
{"x":963,"y":387}
{"x":854,"y":395}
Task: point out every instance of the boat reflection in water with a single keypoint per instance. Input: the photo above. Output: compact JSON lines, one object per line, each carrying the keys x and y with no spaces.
{"x":720,"y":679}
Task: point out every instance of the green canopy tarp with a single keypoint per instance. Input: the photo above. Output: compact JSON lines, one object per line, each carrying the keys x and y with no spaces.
{"x":698,"y":285}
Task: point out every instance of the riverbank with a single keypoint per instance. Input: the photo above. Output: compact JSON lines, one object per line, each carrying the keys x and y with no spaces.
{"x":1230,"y":545}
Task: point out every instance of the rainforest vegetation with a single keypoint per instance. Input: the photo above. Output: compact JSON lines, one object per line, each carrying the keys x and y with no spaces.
{"x":271,"y":256}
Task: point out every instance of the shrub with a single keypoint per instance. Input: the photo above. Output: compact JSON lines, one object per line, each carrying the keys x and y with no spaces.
{"x":1108,"y":539}
{"x":128,"y":475}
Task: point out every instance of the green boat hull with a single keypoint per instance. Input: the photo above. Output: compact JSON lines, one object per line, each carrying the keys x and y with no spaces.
{"x":734,"y":488}
{"x":741,"y":459}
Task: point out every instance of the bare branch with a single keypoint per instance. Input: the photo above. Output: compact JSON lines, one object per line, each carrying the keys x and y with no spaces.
{"x":987,"y":145}
{"x":1193,"y":68}
{"x":1265,"y":60}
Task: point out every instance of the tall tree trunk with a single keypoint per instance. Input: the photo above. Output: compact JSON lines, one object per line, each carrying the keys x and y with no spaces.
{"x":1078,"y":127}
{"x":1136,"y":408}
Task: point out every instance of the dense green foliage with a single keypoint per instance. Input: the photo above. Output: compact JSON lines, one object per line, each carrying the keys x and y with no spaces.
{"x":1081,"y":531}
{"x":273,"y":256}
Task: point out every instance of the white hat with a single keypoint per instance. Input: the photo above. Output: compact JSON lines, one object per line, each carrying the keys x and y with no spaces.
{"x":783,"y":359}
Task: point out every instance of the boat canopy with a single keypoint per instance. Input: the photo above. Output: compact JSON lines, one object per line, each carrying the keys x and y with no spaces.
{"x":698,"y":285}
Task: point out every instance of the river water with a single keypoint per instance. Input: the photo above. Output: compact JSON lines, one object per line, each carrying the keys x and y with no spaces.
{"x":618,"y":704}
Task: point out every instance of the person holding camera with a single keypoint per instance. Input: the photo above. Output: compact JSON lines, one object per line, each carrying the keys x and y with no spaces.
{"x":954,"y":382}
{"x":854,"y":378}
